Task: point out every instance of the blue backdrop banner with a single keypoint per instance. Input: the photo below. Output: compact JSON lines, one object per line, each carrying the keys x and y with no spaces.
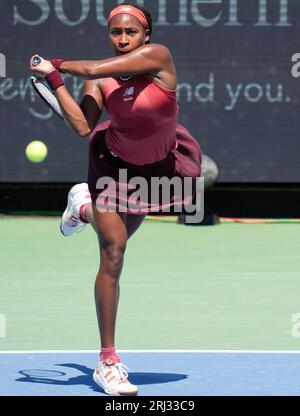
{"x":238,"y":85}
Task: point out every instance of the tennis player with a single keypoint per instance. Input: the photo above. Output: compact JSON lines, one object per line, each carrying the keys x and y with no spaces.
{"x":138,"y":89}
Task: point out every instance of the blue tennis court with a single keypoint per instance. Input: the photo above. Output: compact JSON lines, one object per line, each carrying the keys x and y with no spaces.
{"x":156,"y":373}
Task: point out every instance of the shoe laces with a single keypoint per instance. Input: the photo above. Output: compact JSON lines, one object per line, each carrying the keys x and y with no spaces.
{"x":122,"y":372}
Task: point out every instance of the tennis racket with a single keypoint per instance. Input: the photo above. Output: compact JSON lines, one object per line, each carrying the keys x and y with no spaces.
{"x":44,"y":90}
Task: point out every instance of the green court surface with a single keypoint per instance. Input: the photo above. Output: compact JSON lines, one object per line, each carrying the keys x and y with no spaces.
{"x":230,"y":286}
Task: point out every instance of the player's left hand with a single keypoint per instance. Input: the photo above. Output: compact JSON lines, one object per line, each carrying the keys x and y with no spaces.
{"x":43,"y":68}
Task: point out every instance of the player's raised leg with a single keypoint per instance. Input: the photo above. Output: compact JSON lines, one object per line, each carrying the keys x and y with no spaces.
{"x":71,"y":221}
{"x":79,"y":213}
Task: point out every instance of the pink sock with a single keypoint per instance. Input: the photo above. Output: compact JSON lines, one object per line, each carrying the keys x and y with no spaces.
{"x":109,"y":356}
{"x":82,"y":215}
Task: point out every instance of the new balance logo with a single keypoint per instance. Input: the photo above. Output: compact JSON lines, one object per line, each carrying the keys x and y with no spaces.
{"x":129,"y":91}
{"x":127,"y":96}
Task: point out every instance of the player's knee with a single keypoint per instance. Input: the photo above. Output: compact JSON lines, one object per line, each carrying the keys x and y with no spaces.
{"x":113,"y":255}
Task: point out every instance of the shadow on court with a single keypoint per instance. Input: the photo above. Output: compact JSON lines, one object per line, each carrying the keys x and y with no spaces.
{"x":52,"y":377}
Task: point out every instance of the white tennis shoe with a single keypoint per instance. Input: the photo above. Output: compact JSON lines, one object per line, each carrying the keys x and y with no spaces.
{"x":113,"y":379}
{"x":70,"y":221}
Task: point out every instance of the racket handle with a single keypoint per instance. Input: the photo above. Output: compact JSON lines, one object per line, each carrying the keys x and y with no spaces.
{"x":36,"y":60}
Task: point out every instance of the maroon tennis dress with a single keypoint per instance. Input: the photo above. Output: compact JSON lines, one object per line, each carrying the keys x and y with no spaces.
{"x":140,"y":144}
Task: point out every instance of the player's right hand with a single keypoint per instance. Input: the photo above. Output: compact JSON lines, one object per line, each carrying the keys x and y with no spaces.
{"x":43,"y":68}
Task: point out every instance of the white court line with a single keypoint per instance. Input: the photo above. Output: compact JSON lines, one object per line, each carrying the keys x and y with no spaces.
{"x":155,"y":351}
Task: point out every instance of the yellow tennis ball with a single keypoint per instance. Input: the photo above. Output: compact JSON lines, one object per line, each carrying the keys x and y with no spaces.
{"x":36,"y":151}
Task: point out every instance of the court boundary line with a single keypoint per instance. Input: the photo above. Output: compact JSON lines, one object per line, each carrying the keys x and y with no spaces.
{"x":153,"y":351}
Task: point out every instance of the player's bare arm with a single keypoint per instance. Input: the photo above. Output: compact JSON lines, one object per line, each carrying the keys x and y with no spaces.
{"x":152,"y":59}
{"x":84,"y":117}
